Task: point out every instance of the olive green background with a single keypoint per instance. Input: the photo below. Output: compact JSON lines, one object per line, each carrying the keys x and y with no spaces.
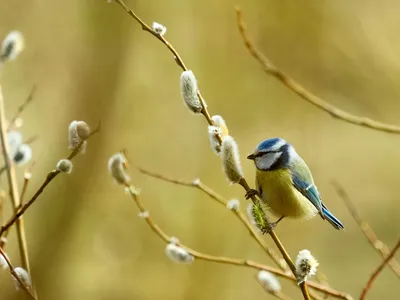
{"x":91,"y":61}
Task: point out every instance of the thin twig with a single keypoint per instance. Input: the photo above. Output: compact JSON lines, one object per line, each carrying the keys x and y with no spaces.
{"x":321,"y":278}
{"x":2,"y":200}
{"x":297,"y":88}
{"x":53,"y":174}
{"x":177,"y":57}
{"x":220,"y":199}
{"x":316,"y":296}
{"x":276,"y":294}
{"x":3,"y":239}
{"x":22,"y":107}
{"x":378,"y":271}
{"x":27,"y":177}
{"x":133,"y":192}
{"x":280,"y":295}
{"x":378,"y":245}
{"x":15,"y":275}
{"x":303,"y":286}
{"x":31,"y":139}
{"x":12,"y":182}
{"x":207,"y":116}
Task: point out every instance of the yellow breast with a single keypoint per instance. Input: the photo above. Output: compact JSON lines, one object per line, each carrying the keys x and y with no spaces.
{"x":281,"y":197}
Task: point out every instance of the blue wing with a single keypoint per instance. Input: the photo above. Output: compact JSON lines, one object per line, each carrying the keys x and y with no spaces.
{"x":331,"y":218}
{"x":303,"y":182}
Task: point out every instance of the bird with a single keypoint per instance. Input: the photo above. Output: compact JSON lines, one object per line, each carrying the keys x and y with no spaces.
{"x":285,"y":185}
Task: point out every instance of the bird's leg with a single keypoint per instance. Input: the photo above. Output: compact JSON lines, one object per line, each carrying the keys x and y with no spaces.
{"x":251,"y":193}
{"x":271,"y":226}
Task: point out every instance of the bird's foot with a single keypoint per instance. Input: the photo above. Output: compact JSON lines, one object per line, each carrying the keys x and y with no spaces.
{"x":270,"y":226}
{"x":251,"y":193}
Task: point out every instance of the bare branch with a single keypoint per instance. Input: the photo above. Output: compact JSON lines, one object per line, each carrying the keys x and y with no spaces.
{"x":378,"y":245}
{"x":27,"y":176}
{"x":220,"y":199}
{"x":22,"y":107}
{"x":15,"y":275}
{"x":133,"y":192}
{"x":53,"y":174}
{"x":206,"y":114}
{"x":297,"y":88}
{"x":12,"y":183}
{"x":378,"y":271}
{"x":281,"y":296}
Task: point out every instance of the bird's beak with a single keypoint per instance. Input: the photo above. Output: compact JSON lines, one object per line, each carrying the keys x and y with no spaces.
{"x":251,"y":156}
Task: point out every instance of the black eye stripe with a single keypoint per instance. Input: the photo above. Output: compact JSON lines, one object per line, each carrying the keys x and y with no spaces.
{"x":267,"y":152}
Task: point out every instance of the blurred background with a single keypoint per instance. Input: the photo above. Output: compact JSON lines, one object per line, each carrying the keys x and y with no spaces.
{"x":90,"y":61}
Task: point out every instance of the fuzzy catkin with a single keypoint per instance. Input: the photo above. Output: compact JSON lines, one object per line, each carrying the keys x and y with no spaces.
{"x":233,"y":204}
{"x":15,"y":140}
{"x":24,"y":276}
{"x":231,"y":160}
{"x":78,"y":131}
{"x":116,"y":166}
{"x":159,"y":28}
{"x":256,"y":216}
{"x":188,"y":85}
{"x":22,"y":155}
{"x":12,"y":46}
{"x":178,"y":254}
{"x":213,"y":132}
{"x":306,"y":265}
{"x":221,"y":124}
{"x":3,"y":262}
{"x":65,"y":166}
{"x":269,"y":282}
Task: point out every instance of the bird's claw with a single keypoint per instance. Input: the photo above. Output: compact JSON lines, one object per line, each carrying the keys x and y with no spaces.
{"x":251,"y":193}
{"x":269,"y":227}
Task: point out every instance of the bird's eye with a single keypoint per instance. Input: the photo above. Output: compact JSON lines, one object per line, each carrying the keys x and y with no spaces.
{"x":261,"y":154}
{"x":266,"y":152}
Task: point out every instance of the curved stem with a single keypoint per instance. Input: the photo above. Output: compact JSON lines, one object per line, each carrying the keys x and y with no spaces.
{"x":12,"y":183}
{"x":198,"y":184}
{"x":134,"y":193}
{"x":206,"y":114}
{"x":297,"y":88}
{"x":378,"y":271}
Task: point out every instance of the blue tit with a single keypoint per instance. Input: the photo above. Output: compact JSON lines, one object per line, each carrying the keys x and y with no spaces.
{"x":285,"y":185}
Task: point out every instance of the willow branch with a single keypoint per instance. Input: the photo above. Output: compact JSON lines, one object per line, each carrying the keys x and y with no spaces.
{"x":297,"y":88}
{"x":221,"y":200}
{"x":2,"y":200}
{"x":12,"y":183}
{"x":281,"y":296}
{"x":378,"y":271}
{"x":378,"y":245}
{"x":206,"y":114}
{"x":133,"y":192}
{"x":27,"y":176}
{"x":31,"y":139}
{"x":15,"y":275}
{"x":22,"y":107}
{"x":49,"y":178}
{"x":316,"y":296}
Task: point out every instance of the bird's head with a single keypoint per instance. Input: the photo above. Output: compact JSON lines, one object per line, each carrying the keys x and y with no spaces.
{"x":273,"y":154}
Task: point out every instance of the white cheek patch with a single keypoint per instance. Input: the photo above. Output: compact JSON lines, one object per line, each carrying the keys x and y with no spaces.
{"x":266,"y":161}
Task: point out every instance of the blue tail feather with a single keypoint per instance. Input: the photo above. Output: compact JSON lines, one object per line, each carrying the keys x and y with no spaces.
{"x":331,"y":218}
